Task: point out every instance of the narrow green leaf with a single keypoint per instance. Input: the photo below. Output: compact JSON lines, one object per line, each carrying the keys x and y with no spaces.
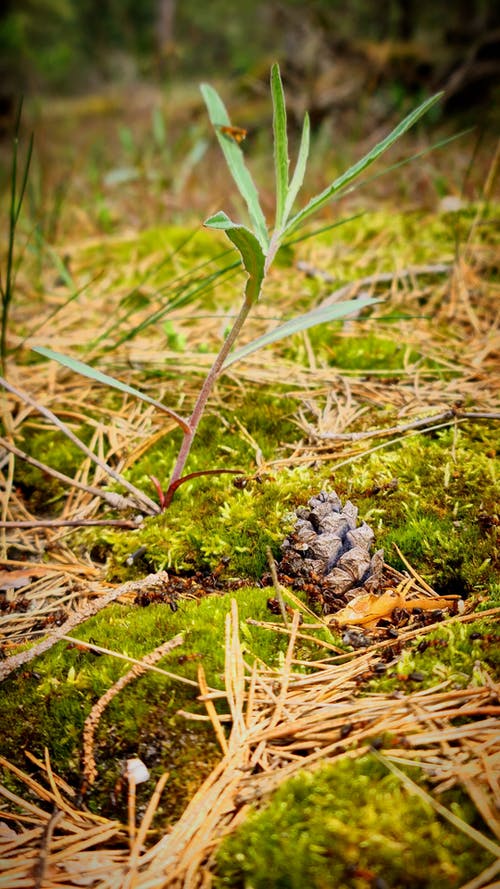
{"x":249,"y":248}
{"x":281,"y":160}
{"x":234,"y":158}
{"x":300,"y":168}
{"x":93,"y":374}
{"x":362,"y":164}
{"x":302,"y":322}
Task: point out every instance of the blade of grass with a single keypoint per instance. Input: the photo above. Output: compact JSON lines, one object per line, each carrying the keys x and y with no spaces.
{"x":361,"y":165}
{"x":343,"y":192}
{"x":92,"y":373}
{"x":184,"y":298}
{"x":302,"y":322}
{"x":324,"y":228}
{"x":300,"y":168}
{"x":281,"y":160}
{"x":234,"y":158}
{"x":7,"y":288}
{"x":407,"y":160}
{"x":116,"y":323}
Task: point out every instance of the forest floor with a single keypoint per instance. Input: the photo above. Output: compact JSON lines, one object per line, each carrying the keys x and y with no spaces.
{"x":294,"y":742}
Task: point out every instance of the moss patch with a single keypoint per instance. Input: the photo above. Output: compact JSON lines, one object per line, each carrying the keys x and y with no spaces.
{"x":434,"y":496}
{"x":460,"y":654}
{"x":47,"y":705}
{"x":353,"y":826}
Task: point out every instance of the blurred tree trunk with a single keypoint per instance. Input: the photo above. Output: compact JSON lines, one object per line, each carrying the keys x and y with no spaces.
{"x":165,"y":42}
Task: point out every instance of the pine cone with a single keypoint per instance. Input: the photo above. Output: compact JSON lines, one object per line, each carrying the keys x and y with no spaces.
{"x":328,"y":551}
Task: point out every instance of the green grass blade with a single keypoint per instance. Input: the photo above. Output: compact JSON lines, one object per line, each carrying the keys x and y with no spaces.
{"x":249,"y":248}
{"x":281,"y":160}
{"x":93,"y":374}
{"x":302,"y":322}
{"x":300,"y":167}
{"x":188,"y":293}
{"x":234,"y":158}
{"x":402,"y":163}
{"x":324,"y":228}
{"x":24,"y":182}
{"x":361,"y":165}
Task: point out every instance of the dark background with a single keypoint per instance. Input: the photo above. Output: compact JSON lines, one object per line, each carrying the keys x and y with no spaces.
{"x":329,"y":50}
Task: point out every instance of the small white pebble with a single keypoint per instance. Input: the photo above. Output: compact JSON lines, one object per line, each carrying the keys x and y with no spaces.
{"x":137,"y":771}
{"x":450,"y":203}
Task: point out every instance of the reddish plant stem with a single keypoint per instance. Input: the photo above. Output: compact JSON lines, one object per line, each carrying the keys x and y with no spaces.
{"x":203,"y":396}
{"x":212,"y":378}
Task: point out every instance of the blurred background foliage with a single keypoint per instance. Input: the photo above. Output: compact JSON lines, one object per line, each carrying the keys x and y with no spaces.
{"x":402,"y":46}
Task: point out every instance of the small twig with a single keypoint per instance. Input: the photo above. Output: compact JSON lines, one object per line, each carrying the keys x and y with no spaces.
{"x":212,"y":712}
{"x":89,"y":610}
{"x":276,"y":584}
{"x":140,"y":497}
{"x":383,"y":278}
{"x":117,"y":501}
{"x":70,"y":523}
{"x":92,"y":720}
{"x":140,"y":836}
{"x":131,"y":793}
{"x":448,"y":415}
{"x":43,"y":858}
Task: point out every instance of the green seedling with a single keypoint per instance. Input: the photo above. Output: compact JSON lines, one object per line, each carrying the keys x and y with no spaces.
{"x":7,"y":283}
{"x":257,"y":248}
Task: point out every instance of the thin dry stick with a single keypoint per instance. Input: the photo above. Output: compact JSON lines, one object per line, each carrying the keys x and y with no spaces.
{"x":131,"y":794}
{"x":43,"y":859}
{"x":381,"y":278}
{"x":212,"y":712}
{"x":421,"y":423}
{"x":5,"y":502}
{"x":135,"y":851}
{"x":276,"y":584}
{"x":71,"y":523}
{"x":92,"y":721}
{"x":287,"y":666}
{"x":139,"y":496}
{"x":234,"y":674}
{"x":117,"y":501}
{"x":55,"y":779}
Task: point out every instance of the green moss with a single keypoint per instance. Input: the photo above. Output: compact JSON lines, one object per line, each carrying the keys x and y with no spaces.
{"x":210,"y":517}
{"x":41,"y":491}
{"x":435,"y":498}
{"x":460,"y":654}
{"x":366,"y":352}
{"x":349,"y":825}
{"x":47,"y":705}
{"x":227,"y":523}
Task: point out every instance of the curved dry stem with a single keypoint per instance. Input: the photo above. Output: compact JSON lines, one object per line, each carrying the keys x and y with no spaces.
{"x":142,"y":500}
